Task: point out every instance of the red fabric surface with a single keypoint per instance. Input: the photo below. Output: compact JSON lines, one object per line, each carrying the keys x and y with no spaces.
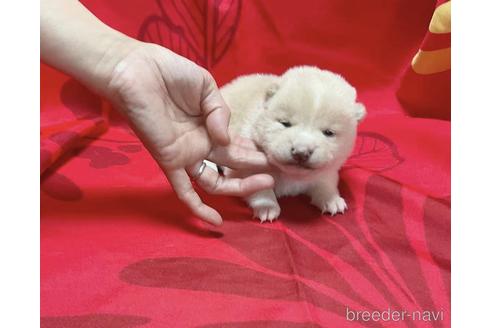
{"x":119,"y":250}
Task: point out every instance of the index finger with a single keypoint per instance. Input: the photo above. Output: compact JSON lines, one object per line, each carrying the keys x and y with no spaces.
{"x":238,"y":157}
{"x":216,"y":111}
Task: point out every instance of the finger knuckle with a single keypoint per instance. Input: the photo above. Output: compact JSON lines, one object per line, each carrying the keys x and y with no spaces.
{"x":186,"y":195}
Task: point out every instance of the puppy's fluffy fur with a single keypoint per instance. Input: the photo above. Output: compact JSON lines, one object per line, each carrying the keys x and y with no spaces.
{"x":305,"y":121}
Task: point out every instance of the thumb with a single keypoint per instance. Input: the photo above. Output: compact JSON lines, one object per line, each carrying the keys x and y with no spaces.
{"x":216,"y":112}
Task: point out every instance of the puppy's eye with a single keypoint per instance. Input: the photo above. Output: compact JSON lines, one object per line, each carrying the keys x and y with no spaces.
{"x":287,"y":124}
{"x":328,"y":133}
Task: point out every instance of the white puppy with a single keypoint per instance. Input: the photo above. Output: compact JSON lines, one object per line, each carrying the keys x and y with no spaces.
{"x":306,"y":123}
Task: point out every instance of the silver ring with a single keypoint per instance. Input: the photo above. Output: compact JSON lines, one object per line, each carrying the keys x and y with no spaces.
{"x":199,"y":172}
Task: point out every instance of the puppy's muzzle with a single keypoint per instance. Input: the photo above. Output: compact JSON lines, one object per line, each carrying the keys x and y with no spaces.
{"x":301,"y":155}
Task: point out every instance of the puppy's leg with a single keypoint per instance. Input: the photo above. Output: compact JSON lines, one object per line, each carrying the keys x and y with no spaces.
{"x":265,"y":205}
{"x":324,"y":195}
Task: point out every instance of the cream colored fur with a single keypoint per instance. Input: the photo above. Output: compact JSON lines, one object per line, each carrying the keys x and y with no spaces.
{"x":306,"y":122}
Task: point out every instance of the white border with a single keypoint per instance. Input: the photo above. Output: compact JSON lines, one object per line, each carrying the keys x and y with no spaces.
{"x":471,"y":164}
{"x":19,"y":164}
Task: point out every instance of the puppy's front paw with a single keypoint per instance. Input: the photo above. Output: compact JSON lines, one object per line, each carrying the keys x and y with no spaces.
{"x":266,"y":211}
{"x":334,"y":205}
{"x":265,"y":205}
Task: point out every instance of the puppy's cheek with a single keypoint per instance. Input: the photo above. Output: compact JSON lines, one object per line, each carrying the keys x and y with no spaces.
{"x":277,"y":146}
{"x":281,"y":152}
{"x":270,"y":147}
{"x":328,"y":152}
{"x":344,"y":145}
{"x":321,"y":157}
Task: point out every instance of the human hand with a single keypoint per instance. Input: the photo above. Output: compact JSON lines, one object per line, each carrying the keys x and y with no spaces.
{"x":176,"y":109}
{"x":171,"y":103}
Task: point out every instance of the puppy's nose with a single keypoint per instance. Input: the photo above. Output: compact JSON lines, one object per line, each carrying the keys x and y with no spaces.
{"x":301,"y":155}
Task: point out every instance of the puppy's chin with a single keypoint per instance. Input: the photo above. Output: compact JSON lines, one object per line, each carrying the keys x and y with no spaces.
{"x":295,"y":169}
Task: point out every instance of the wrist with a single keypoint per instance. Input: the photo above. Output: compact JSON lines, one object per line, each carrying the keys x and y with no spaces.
{"x":113,"y":50}
{"x":76,"y":42}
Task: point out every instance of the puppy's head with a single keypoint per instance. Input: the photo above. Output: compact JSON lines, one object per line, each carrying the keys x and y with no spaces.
{"x":309,"y":120}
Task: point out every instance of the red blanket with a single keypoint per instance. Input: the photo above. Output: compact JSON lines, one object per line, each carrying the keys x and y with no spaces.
{"x":119,"y":250}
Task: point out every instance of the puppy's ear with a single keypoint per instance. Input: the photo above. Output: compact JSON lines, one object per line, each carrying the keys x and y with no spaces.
{"x":270,"y":92}
{"x":359,"y":111}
